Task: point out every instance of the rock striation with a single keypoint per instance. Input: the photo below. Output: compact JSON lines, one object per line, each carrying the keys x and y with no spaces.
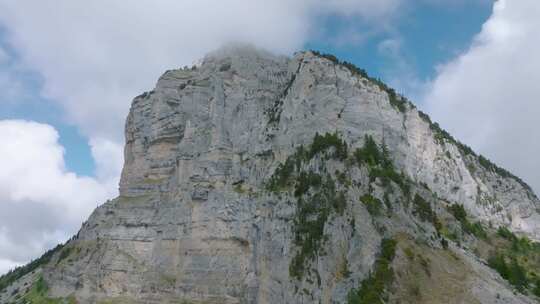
{"x":212,"y":207}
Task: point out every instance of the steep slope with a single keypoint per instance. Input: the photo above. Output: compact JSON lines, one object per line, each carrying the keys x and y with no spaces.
{"x":261,"y":179}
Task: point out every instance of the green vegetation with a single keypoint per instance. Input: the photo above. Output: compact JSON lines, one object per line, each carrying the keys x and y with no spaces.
{"x":321,"y":143}
{"x":511,"y":271}
{"x":37,"y":292}
{"x":516,"y":261}
{"x":313,"y":209}
{"x":282,"y":175}
{"x":476,"y":229}
{"x":38,"y":295}
{"x":518,"y":244}
{"x":317,"y":194}
{"x":17,"y":273}
{"x":305,"y":181}
{"x":65,"y":253}
{"x":422,"y":209}
{"x":324,"y":142}
{"x":372,"y":204}
{"x":351,"y":67}
{"x":343,"y":178}
{"x":373,"y":289}
{"x":506,"y":234}
{"x":449,"y":234}
{"x":317,"y":197}
{"x":397,"y":101}
{"x":370,"y":154}
{"x":536,"y":290}
{"x":380,"y":165}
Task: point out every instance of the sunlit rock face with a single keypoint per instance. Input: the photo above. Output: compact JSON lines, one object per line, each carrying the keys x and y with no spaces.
{"x":196,"y":222}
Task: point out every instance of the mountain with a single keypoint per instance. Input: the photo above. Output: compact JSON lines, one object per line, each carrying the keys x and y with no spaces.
{"x":255,"y":178}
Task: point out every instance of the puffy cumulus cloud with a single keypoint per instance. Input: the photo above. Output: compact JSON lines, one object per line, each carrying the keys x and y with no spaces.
{"x":42,"y":203}
{"x":488,"y":96}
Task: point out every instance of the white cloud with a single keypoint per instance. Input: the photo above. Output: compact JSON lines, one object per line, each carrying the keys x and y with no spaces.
{"x":42,"y":203}
{"x":488,"y":96}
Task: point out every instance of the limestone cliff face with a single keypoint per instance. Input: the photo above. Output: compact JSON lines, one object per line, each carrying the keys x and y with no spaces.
{"x":242,"y":112}
{"x":196,"y":222}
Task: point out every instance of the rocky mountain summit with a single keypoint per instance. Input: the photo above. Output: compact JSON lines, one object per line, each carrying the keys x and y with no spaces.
{"x":254,"y":178}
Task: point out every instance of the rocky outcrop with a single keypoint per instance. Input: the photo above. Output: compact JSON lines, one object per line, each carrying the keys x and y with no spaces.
{"x":243,"y":111}
{"x":198,"y":221}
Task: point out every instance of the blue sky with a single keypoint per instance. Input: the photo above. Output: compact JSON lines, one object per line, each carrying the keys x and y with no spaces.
{"x":68,"y":74}
{"x":33,"y":106}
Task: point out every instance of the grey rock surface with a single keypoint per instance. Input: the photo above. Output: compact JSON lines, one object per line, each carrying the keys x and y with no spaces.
{"x":194,"y":222}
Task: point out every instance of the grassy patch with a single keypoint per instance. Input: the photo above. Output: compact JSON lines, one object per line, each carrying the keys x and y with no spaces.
{"x":427,"y":275}
{"x":509,"y":268}
{"x":38,"y":295}
{"x":517,"y":260}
